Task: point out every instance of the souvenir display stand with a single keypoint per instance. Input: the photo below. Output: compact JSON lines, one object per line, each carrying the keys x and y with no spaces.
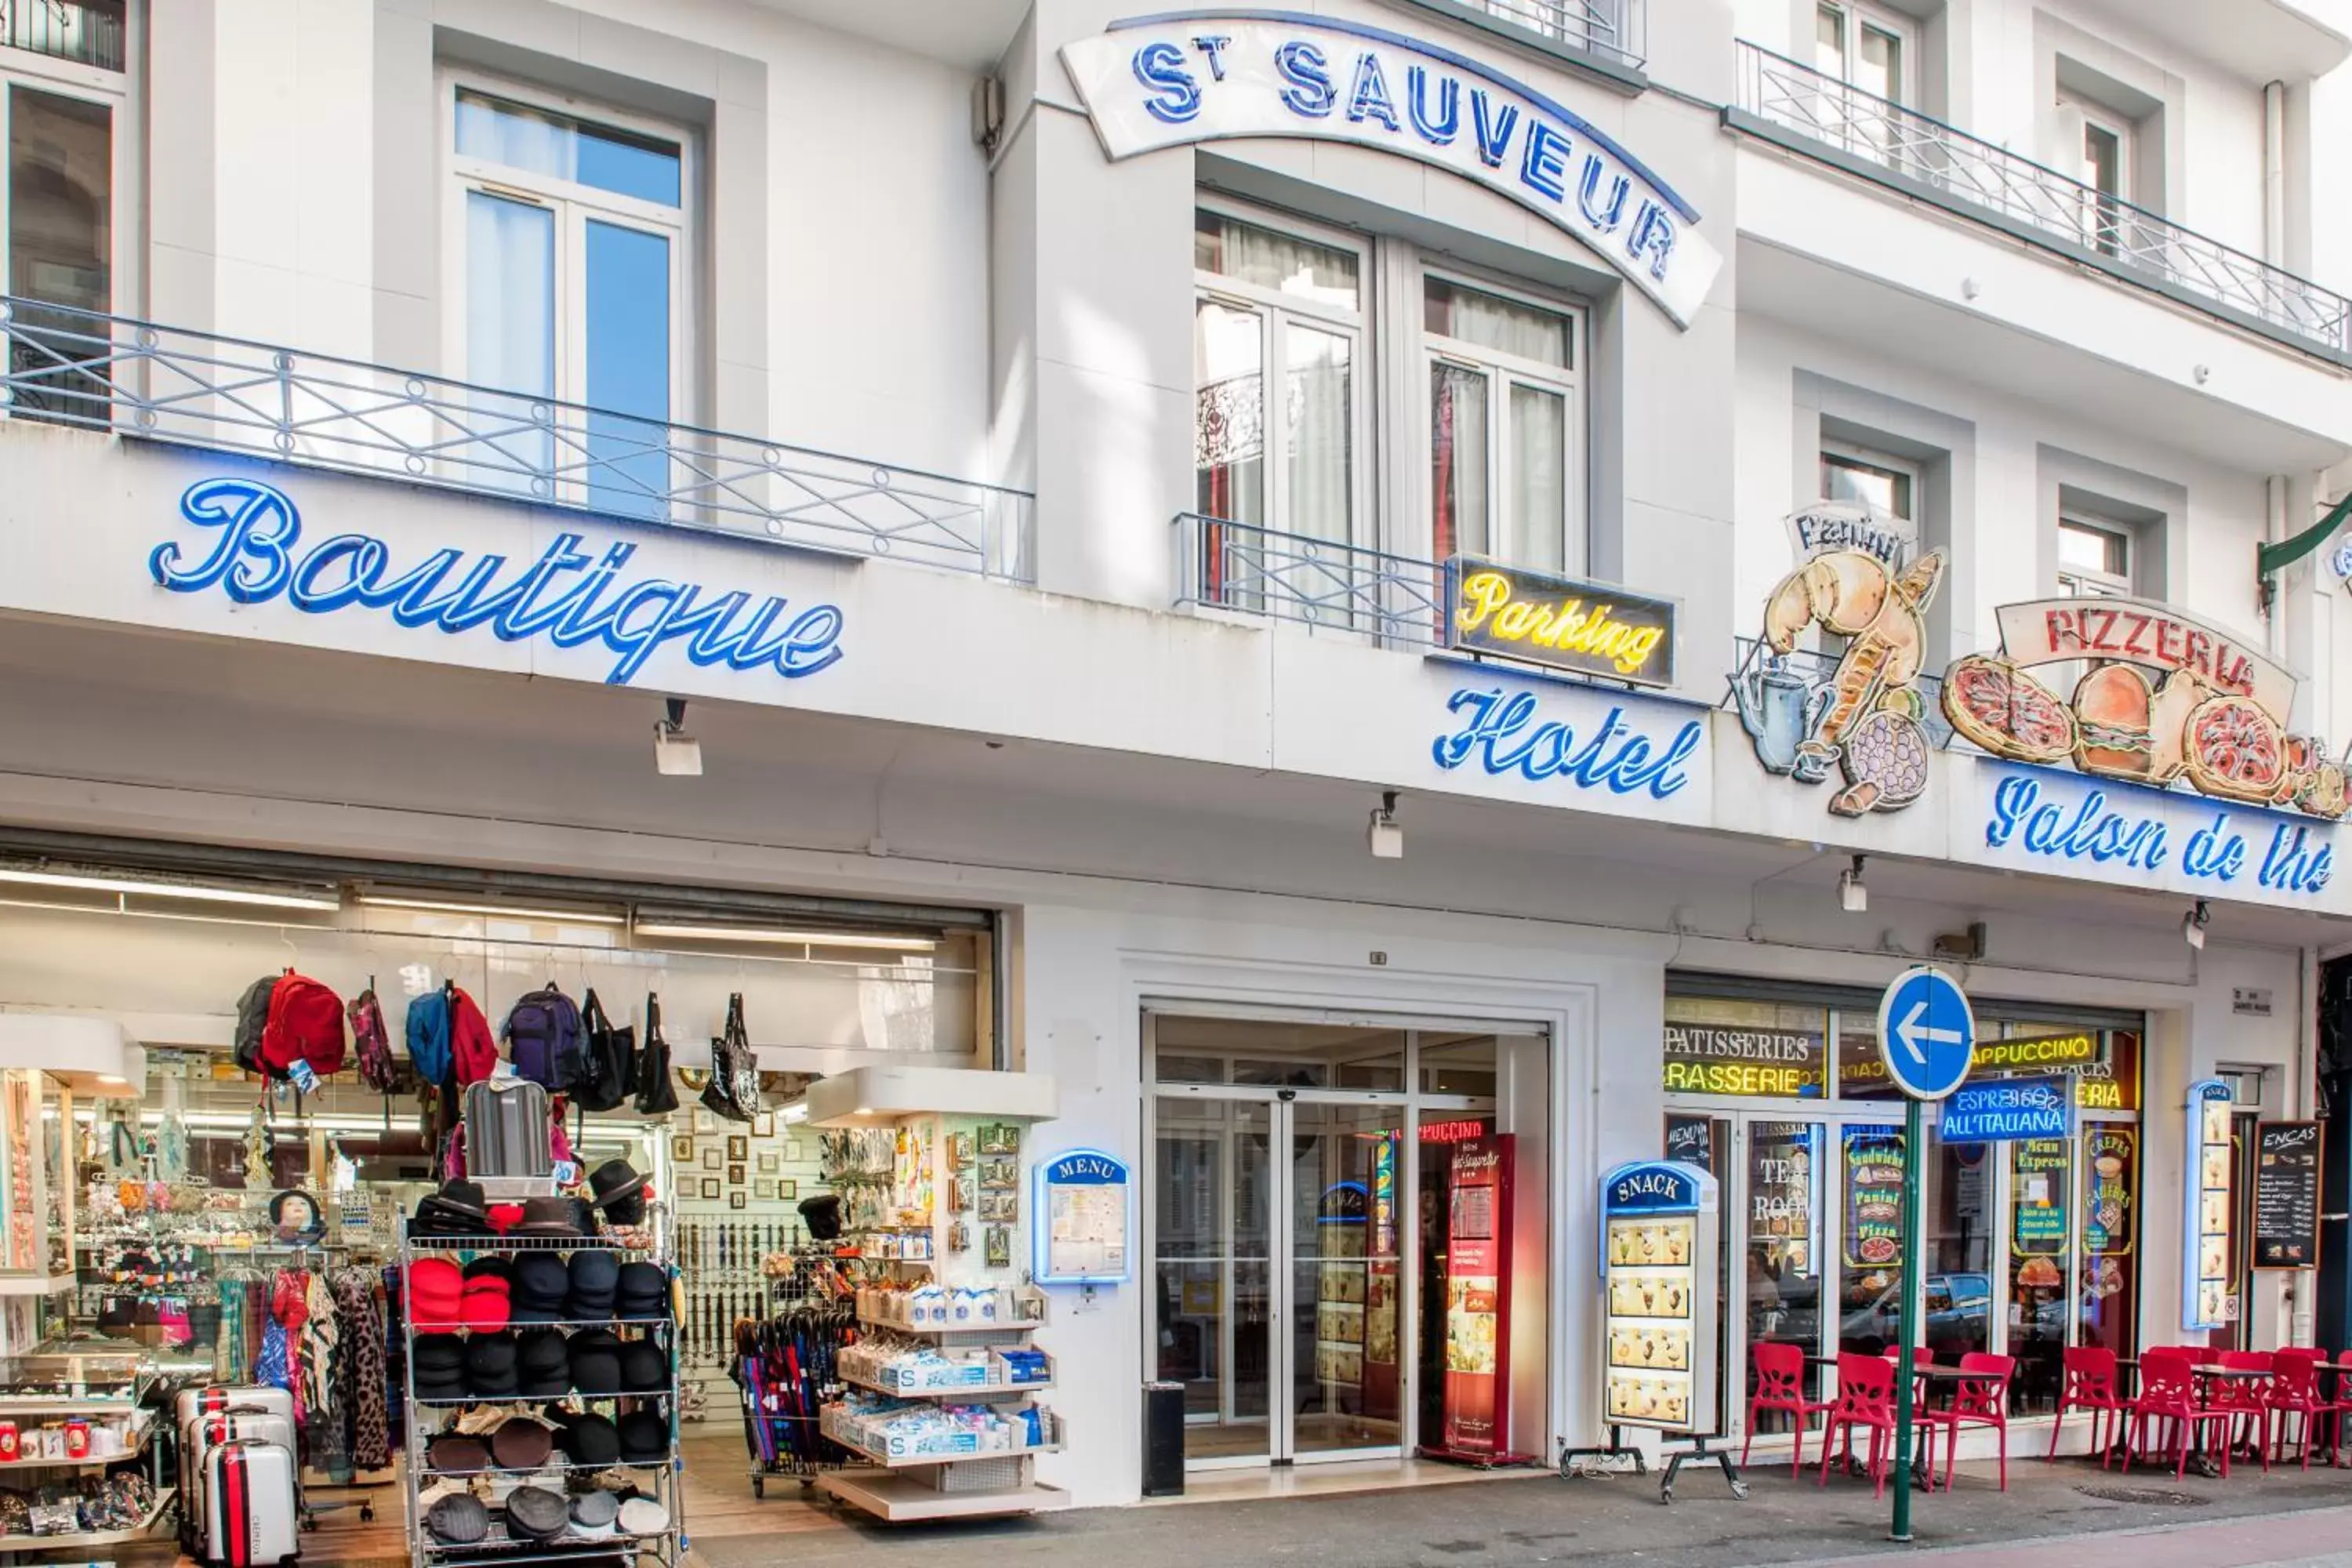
{"x":939,"y":1401}
{"x":427,"y":1414}
{"x":72,"y":1410}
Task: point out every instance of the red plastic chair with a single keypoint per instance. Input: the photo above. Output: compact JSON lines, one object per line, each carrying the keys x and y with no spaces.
{"x":1977,"y":1401}
{"x":2295,"y":1391}
{"x":1865,"y":1398}
{"x":1779,"y":1386}
{"x":2243,"y":1399}
{"x":2167,"y":1392}
{"x":2090,"y":1385}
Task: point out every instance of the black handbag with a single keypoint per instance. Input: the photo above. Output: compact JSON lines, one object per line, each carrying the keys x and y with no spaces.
{"x":656,"y":1094}
{"x":611,"y":1055}
{"x":733,"y":1090}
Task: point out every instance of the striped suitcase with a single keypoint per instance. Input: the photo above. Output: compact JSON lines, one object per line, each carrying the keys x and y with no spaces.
{"x":208,"y":1430}
{"x":251,"y":1508}
{"x":225,"y":1396}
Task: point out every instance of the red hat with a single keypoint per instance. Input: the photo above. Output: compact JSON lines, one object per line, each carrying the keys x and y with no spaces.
{"x":485,"y":1305}
{"x":504,"y":1217}
{"x":436,"y":1289}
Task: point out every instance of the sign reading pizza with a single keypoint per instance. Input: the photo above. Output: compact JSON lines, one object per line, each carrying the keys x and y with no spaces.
{"x":2160,"y":697}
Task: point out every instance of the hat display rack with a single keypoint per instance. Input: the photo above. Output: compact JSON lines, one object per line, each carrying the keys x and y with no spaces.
{"x":542,"y":1374}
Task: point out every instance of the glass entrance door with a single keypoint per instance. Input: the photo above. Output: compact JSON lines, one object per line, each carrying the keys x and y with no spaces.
{"x":1213,"y":1257}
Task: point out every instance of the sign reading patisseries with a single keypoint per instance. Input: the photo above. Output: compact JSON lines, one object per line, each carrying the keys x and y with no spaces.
{"x":1166,"y":80}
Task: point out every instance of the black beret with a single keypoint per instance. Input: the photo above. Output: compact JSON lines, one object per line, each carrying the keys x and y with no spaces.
{"x":592,"y":1441}
{"x":645,"y":1437}
{"x":645,"y":1368}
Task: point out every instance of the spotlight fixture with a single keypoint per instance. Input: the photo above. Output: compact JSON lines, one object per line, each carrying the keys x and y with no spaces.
{"x":1853,"y":897}
{"x":676,"y":753}
{"x":1381,"y":834}
{"x":2193,"y":924}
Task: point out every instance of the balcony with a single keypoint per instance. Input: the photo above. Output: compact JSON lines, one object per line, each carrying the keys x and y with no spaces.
{"x":1604,"y":36}
{"x":1793,"y":106}
{"x":65,"y":366}
{"x":1393,"y":600}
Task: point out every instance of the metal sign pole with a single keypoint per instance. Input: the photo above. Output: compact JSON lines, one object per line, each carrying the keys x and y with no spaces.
{"x":1906,"y":1336}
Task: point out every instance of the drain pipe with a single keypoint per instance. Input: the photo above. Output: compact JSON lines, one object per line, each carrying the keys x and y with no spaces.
{"x":2273,"y":594}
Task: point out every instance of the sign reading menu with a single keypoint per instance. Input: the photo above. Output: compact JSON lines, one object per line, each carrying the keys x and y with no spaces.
{"x":2286,"y":1195}
{"x":1081,"y":1223}
{"x":2206,"y":1299}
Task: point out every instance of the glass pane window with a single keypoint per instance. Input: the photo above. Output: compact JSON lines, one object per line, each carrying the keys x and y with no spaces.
{"x":2092,"y":560}
{"x":2103,"y":159}
{"x":1955,"y":1234}
{"x":1503,"y":446}
{"x":2040,"y":1256}
{"x":1539,"y":458}
{"x":1881,"y":486}
{"x":1864,"y":46}
{"x":1490,"y":321}
{"x":60,"y":190}
{"x":1319,"y":429}
{"x":1870,"y":1260}
{"x":1783,"y":1233}
{"x":510,"y":294}
{"x":1878,"y":61}
{"x":1265,"y":258}
{"x":1829,"y":40}
{"x":1457,"y":461}
{"x":541,"y":141}
{"x":628,"y":366}
{"x":2109,"y":1293}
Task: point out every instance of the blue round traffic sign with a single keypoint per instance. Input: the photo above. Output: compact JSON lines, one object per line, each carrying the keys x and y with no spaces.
{"x":1927,"y":1034}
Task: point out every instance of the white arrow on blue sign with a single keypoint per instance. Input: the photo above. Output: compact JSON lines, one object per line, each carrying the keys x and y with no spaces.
{"x":1927,"y":1034}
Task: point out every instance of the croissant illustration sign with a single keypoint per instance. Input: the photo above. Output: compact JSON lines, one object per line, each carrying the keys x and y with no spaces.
{"x":1167,"y":80}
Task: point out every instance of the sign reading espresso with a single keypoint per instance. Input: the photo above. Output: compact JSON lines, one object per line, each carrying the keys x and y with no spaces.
{"x":1558,"y":622}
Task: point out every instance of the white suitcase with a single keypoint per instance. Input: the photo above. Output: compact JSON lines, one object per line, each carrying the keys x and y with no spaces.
{"x":223,"y":1397}
{"x":208,"y":1430}
{"x":252,"y":1511}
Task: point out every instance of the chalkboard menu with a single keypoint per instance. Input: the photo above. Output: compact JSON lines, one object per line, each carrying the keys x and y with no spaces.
{"x":2286,"y":1195}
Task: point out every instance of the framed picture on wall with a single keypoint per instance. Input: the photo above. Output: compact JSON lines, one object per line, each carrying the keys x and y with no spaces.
{"x":788,"y":1188}
{"x":739,"y":1147}
{"x":705,"y":1119}
{"x":1000,"y":1208}
{"x":713,"y":1157}
{"x":681,"y":1148}
{"x":710,"y":1187}
{"x":738,"y":1199}
{"x":734,"y":1176}
{"x":765,"y":1124}
{"x":1000,"y":1138}
{"x":768,"y":1163}
{"x":764,"y":1189}
{"x":999,"y":1247}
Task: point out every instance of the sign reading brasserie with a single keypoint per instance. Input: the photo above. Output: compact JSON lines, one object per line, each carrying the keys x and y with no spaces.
{"x":1557,"y":622}
{"x":1175,"y":78}
{"x":1703,"y":1058}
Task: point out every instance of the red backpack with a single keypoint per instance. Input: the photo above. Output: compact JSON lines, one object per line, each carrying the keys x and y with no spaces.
{"x":306,"y":1025}
{"x":473,"y":1049}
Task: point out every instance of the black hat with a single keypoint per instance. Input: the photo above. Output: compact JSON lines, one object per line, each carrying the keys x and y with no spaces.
{"x":643,"y":1291}
{"x":458,"y":1520}
{"x":535,"y":1513}
{"x":542,"y":1364}
{"x":595,"y":1357}
{"x":593,"y":1513}
{"x":521,"y":1443}
{"x":821,"y":1214}
{"x":547,"y":1217}
{"x":457,"y":1209}
{"x":590,"y":1441}
{"x":541,"y":1284}
{"x":489,"y":1265}
{"x":490,"y":1365}
{"x":645,"y":1368}
{"x":594,"y":1276}
{"x":453,"y":1451}
{"x":644,"y":1439}
{"x":620,"y":1191}
{"x":438,"y":1353}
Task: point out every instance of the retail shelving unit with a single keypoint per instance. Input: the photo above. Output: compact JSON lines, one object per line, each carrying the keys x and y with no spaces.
{"x":649,"y":1243}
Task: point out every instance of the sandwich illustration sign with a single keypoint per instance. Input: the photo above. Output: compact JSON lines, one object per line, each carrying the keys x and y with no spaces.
{"x":1172,"y":79}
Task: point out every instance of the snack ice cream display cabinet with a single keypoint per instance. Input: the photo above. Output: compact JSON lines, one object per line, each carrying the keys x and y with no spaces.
{"x":1661,"y":1278}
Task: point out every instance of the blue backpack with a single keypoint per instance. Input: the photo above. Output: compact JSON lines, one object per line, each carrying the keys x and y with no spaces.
{"x":546,"y":1042}
{"x":429,"y":1036}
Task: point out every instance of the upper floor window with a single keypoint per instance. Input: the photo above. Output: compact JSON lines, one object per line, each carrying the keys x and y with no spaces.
{"x":1867,"y":46}
{"x":2094,"y":559}
{"x":571,"y":277}
{"x":1887,"y":485}
{"x":1504,"y":454}
{"x":2103,"y":163}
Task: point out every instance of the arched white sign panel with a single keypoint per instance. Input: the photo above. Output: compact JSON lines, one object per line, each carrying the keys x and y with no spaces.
{"x":1162,"y":81}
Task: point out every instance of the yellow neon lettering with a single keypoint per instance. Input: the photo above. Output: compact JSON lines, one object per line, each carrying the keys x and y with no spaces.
{"x":1486,"y":601}
{"x":1482,"y":594}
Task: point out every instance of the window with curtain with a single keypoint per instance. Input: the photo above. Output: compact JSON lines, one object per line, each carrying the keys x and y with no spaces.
{"x":1504,"y":478}
{"x":571,"y":285}
{"x":57,"y":240}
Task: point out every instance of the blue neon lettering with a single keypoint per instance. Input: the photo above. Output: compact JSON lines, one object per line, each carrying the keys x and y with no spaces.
{"x":1653,"y":235}
{"x":1603,"y":217}
{"x":1544,"y":167}
{"x":2292,"y":864}
{"x":1503,"y":734}
{"x":2215,"y":851}
{"x":1176,"y":97}
{"x":2018,"y":811}
{"x":1493,"y":129}
{"x":1302,"y":65}
{"x":253,"y":559}
{"x":1212,"y":47}
{"x":1368,"y":98}
{"x":1448,"y":122}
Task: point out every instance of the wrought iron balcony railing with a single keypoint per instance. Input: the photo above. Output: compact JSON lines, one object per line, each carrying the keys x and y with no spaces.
{"x":73,"y":367}
{"x":1884,"y":140}
{"x":1612,"y":27}
{"x":1294,"y":577}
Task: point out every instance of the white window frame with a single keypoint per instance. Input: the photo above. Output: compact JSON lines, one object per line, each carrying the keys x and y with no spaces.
{"x":1871,"y":457}
{"x":1501,"y":370}
{"x":1856,"y":15}
{"x":1276,"y":313}
{"x":127,"y":132}
{"x":2085,"y":581}
{"x":574,"y":205}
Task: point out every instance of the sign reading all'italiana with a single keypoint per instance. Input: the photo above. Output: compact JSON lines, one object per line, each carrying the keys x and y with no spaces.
{"x":1560,"y":623}
{"x":1177,"y":78}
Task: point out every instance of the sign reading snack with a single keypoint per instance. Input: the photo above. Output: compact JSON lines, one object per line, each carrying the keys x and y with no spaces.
{"x":1560,"y":623}
{"x":1175,"y":78}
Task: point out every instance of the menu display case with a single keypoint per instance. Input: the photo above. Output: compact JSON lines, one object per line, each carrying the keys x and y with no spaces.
{"x":2207,"y":1299}
{"x":1660,"y":1271}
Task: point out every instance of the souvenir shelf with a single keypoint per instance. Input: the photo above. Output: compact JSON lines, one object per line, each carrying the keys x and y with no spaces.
{"x":423,"y":1418}
{"x":105,"y":1381}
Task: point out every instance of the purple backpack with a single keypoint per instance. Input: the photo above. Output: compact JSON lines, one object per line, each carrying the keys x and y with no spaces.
{"x":545,"y":1042}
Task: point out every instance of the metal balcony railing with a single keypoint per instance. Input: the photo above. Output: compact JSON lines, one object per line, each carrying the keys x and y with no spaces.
{"x":1612,"y":27}
{"x":67,"y":366}
{"x":1902,"y":147}
{"x":1294,"y":577}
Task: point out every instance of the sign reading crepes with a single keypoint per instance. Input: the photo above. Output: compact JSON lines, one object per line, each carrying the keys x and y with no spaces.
{"x":1560,"y":623}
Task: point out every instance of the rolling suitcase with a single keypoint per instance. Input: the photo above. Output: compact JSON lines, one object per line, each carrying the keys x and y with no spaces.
{"x":507,"y":1129}
{"x":251,"y":1508}
{"x":228,"y":1396}
{"x":207,"y":1430}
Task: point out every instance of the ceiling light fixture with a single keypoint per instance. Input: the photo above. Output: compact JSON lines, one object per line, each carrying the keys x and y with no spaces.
{"x":2193,"y":924}
{"x":1853,"y":897}
{"x":1383,"y":835}
{"x":676,"y":754}
{"x":695,"y":931}
{"x":99,"y":879}
{"x":492,"y":912}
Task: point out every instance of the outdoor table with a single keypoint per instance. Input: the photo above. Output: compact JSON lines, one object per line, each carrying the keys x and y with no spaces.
{"x":1928,"y":1376}
{"x":2337,"y":1453}
{"x":2121,"y":1446}
{"x":2199,"y":1460}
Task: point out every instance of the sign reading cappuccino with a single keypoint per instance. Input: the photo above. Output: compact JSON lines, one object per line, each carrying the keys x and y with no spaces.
{"x":1706,"y":1059}
{"x":1560,"y":623}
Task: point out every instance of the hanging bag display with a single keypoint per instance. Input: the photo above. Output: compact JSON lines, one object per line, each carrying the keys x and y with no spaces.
{"x":543,"y":1039}
{"x":507,"y":1123}
{"x":733,"y":1090}
{"x":657,"y":1091}
{"x":612,"y":1073}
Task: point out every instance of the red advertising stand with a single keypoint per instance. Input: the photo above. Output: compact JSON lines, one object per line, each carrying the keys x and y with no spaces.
{"x":1477,"y":1428}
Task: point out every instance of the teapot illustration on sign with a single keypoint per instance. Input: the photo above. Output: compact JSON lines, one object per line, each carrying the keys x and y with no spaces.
{"x":1777,"y":709}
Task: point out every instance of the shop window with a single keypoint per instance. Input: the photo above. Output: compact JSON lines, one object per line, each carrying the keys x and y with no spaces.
{"x":2109,"y":1288}
{"x":1504,"y":466}
{"x":572,"y":239}
{"x":1960,"y":1200}
{"x":2041,"y":1266}
{"x":1747,"y":1050}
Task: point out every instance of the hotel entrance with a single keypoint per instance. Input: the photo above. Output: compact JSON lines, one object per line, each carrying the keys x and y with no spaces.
{"x":1309,"y":1219}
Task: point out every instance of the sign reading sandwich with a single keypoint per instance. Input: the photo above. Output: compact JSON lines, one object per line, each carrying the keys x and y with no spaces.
{"x":1558,"y":622}
{"x":1177,"y":78}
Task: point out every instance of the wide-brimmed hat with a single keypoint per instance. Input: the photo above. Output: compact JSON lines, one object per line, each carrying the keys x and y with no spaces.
{"x":547,"y":1217}
{"x":457,"y":1209}
{"x":620,"y":1191}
